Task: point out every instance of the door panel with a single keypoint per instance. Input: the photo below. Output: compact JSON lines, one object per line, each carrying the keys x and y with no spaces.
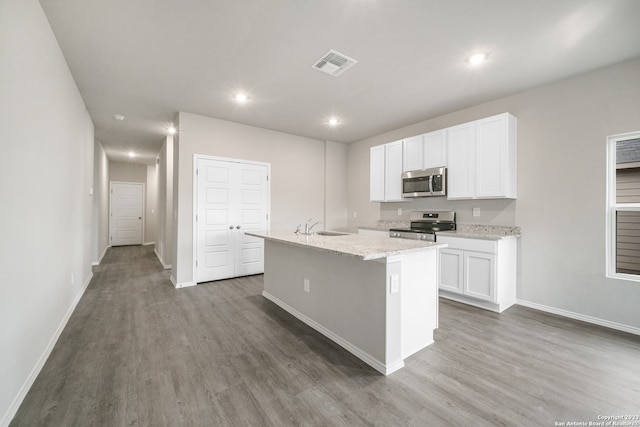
{"x":253,"y":212}
{"x":232,"y":198}
{"x":126,"y":204}
{"x":214,"y":246}
{"x":480,"y":277}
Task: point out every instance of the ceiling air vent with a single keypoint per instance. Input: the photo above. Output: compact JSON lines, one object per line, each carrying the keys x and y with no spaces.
{"x":334,"y":63}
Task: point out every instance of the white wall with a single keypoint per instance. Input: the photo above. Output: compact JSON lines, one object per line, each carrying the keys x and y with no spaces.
{"x":297,"y":175}
{"x":151,"y":204}
{"x":336,"y":200}
{"x":46,"y":173}
{"x":127,"y":172}
{"x":164,"y":225}
{"x":100,"y":203}
{"x":562,"y":130}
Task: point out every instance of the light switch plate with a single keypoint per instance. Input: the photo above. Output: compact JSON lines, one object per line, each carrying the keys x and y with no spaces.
{"x":395,"y":284}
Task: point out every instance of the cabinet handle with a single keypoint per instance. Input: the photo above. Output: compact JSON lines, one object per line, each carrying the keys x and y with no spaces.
{"x":231,"y":227}
{"x":237,"y":227}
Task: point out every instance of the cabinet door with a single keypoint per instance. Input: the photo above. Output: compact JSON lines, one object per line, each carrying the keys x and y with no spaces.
{"x":412,"y":153}
{"x":461,"y":144}
{"x":393,"y":171}
{"x":492,"y":174}
{"x":480,"y":276}
{"x":451,"y":270}
{"x":376,"y":174}
{"x":434,"y":149}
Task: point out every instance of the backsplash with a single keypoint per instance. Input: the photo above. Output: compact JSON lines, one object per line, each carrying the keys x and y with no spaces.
{"x":499,"y":230}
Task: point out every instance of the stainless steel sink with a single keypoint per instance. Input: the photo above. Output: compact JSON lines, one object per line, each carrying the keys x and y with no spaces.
{"x":331,"y":233}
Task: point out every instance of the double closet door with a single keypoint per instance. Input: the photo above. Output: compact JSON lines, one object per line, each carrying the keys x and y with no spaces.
{"x":232,"y":197}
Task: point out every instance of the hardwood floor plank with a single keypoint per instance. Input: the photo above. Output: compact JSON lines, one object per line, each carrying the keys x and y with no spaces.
{"x":136,"y":351}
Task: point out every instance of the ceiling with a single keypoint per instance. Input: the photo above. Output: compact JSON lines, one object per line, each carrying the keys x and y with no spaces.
{"x":149,"y":59}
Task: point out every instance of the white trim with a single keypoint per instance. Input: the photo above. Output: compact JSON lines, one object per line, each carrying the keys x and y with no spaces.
{"x":581,"y":317}
{"x":356,"y":351}
{"x":181,"y":285}
{"x":194,"y":226}
{"x":148,"y":243}
{"x":165,"y":266}
{"x":612,"y":207}
{"x":99,"y":261}
{"x":17,"y":401}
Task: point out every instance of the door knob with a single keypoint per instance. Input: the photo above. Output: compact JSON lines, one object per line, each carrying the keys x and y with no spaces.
{"x":139,"y":217}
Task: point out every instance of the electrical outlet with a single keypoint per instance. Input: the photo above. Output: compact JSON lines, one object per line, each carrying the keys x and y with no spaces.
{"x":399,"y":211}
{"x":307,"y":285}
{"x":476,"y":212}
{"x":355,"y":214}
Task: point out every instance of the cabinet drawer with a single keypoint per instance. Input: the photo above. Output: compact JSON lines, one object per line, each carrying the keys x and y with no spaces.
{"x":477,"y":245}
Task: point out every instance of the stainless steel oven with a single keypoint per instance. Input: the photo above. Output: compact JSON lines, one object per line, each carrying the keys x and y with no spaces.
{"x":425,"y":224}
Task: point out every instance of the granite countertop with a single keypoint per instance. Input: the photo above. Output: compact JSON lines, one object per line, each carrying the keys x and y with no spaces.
{"x":355,"y":245}
{"x":482,"y":231}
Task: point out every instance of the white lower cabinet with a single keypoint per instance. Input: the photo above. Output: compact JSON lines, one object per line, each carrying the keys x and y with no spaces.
{"x":478,"y":272}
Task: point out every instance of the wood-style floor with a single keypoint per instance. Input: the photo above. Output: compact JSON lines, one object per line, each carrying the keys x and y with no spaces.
{"x":138,"y":352}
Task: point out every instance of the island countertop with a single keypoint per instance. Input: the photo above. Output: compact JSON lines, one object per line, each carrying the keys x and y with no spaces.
{"x":353,"y":245}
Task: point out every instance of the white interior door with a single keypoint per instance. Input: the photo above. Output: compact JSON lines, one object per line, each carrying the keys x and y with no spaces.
{"x":253,"y":215}
{"x":231,"y":197}
{"x":126,"y":216}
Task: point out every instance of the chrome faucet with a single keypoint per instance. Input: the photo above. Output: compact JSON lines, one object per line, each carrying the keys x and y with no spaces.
{"x":307,"y":227}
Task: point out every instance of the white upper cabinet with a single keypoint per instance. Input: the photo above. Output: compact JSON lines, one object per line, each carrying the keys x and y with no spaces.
{"x":496,"y":157}
{"x":393,"y":171}
{"x":462,"y":166}
{"x":413,"y":153}
{"x":482,"y":159}
{"x":425,"y":151}
{"x":385,"y":172}
{"x":434,"y":149}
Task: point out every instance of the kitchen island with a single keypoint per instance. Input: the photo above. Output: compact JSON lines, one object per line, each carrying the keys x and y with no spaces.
{"x":377,"y":297}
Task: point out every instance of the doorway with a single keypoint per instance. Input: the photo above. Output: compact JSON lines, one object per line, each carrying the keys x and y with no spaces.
{"x":231,"y":197}
{"x":126,"y":213}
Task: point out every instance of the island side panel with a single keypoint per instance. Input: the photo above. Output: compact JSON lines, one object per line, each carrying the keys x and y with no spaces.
{"x":419,"y":292}
{"x":347,"y":297}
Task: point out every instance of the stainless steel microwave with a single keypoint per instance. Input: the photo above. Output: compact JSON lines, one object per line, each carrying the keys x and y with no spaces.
{"x":425,"y":183}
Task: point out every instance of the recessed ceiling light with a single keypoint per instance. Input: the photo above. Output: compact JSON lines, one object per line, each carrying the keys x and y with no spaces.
{"x":172,"y":130}
{"x":333,"y":121}
{"x":241,"y":98}
{"x":118,"y":117}
{"x":478,"y":58}
{"x":131,"y":154}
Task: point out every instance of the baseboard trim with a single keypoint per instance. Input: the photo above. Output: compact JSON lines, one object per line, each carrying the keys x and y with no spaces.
{"x":356,"y":351}
{"x":581,"y":317}
{"x":17,"y":401}
{"x":182,"y":284}
{"x":165,"y":266}
{"x":148,"y":243}
{"x":99,"y":261}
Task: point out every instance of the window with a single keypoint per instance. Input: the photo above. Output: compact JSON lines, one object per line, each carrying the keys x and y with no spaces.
{"x":623,"y":206}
